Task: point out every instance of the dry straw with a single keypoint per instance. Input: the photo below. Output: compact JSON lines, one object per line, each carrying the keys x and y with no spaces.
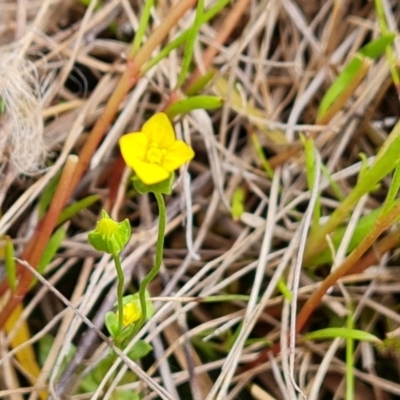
{"x":21,"y":123}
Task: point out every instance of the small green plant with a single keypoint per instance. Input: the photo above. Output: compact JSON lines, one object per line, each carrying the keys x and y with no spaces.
{"x":153,"y":154}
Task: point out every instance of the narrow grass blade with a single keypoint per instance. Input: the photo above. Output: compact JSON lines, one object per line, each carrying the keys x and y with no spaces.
{"x":348,"y":80}
{"x":76,"y":207}
{"x":143,"y":24}
{"x":344,"y":333}
{"x":10,"y":265}
{"x":189,"y":44}
{"x":191,"y":103}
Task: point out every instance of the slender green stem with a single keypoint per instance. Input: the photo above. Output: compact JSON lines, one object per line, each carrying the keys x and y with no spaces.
{"x":143,"y":24}
{"x":389,"y":50}
{"x":120,"y":291}
{"x":157,"y":265}
{"x":350,"y":359}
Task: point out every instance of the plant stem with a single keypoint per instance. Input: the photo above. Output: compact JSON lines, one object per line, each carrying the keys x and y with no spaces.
{"x":157,"y":265}
{"x":350,"y":359}
{"x":120,"y":291}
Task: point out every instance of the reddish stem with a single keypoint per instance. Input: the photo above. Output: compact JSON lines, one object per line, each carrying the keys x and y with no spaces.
{"x":36,"y":246}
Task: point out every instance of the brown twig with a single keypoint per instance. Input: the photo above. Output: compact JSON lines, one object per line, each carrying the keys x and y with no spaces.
{"x":382,"y":223}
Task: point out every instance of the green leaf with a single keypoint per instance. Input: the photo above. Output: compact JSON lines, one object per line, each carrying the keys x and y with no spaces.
{"x":139,"y":350}
{"x":111,"y":322}
{"x":192,"y":103}
{"x":332,"y":183}
{"x":50,"y":251}
{"x":164,"y":187}
{"x":102,"y":368}
{"x":76,"y":207}
{"x":261,"y":156}
{"x":393,"y":190}
{"x":47,"y":195}
{"x":344,"y":333}
{"x":189,"y":43}
{"x":365,"y":224}
{"x":200,"y":83}
{"x":341,"y":83}
{"x":237,"y":203}
{"x":143,"y":24}
{"x":352,"y":72}
{"x":125,"y":333}
{"x":44,"y":347}
{"x":286,"y":292}
{"x":125,"y":395}
{"x":377,"y":47}
{"x":310,"y":154}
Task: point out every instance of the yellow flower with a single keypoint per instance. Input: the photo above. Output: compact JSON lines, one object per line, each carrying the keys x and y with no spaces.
{"x":131,"y":314}
{"x":154,"y":153}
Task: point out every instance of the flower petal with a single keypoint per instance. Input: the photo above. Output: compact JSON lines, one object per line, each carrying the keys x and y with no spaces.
{"x":158,"y":129}
{"x":150,"y":174}
{"x":133,"y":147}
{"x":177,"y":154}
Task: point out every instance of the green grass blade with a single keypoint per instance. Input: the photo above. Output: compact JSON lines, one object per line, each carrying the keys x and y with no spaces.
{"x":76,"y":207}
{"x":260,"y":153}
{"x":50,"y":251}
{"x":143,"y":24}
{"x":343,"y":81}
{"x":214,"y":10}
{"x":189,"y":45}
{"x":200,"y":83}
{"x":52,"y":248}
{"x":47,"y":195}
{"x":385,"y":162}
{"x":393,"y":190}
{"x":191,"y":103}
{"x":377,"y":47}
{"x":309,"y":150}
{"x":211,"y":13}
{"x":343,"y":333}
{"x":365,"y":224}
{"x":352,"y":74}
{"x":390,"y":54}
{"x":286,"y":292}
{"x":10,"y":265}
{"x":350,"y":359}
{"x":165,"y":51}
{"x":333,"y":185}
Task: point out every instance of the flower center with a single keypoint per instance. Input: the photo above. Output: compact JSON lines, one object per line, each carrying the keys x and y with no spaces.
{"x":131,"y":314}
{"x":154,"y":154}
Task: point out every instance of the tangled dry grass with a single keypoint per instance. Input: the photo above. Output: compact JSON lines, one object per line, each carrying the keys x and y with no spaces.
{"x":273,"y":69}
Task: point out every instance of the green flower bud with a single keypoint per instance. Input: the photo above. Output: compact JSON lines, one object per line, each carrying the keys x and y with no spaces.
{"x":110,"y":236}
